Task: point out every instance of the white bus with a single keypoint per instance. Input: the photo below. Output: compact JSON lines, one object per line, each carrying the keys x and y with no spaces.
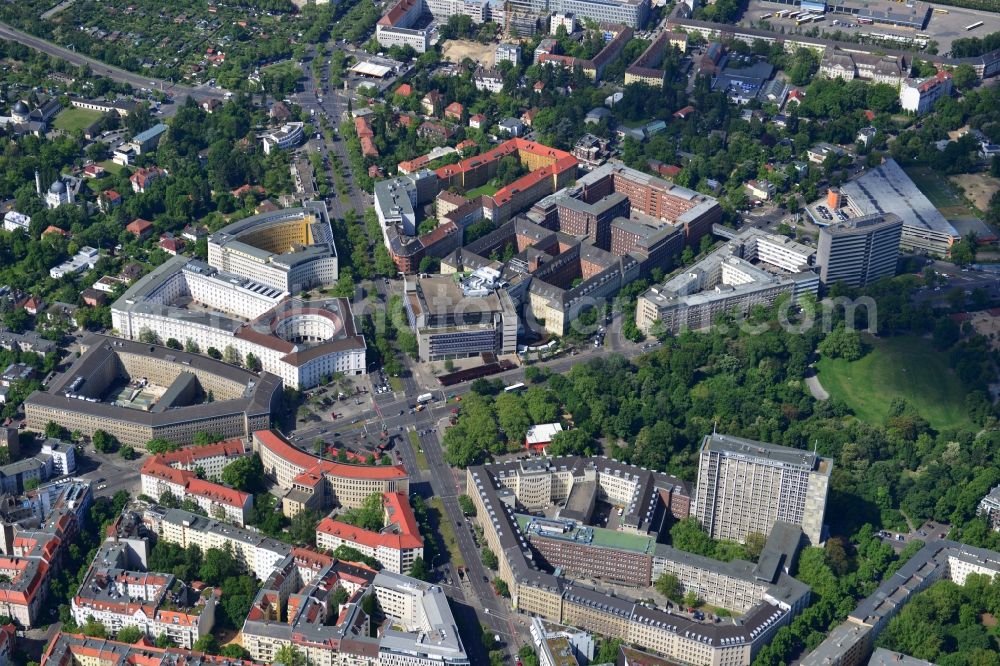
{"x":973,"y":26}
{"x":765,"y":16}
{"x":514,"y":388}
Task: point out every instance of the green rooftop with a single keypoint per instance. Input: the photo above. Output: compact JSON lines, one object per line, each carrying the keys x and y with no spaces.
{"x":595,"y":536}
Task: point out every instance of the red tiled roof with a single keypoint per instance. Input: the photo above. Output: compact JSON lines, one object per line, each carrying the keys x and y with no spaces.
{"x":190,"y":455}
{"x":277,"y":445}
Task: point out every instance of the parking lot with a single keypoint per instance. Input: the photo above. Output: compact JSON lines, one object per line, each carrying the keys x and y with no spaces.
{"x":946,"y":24}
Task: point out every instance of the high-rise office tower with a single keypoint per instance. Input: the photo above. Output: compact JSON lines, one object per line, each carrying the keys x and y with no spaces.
{"x":745,"y":486}
{"x":859,"y":251}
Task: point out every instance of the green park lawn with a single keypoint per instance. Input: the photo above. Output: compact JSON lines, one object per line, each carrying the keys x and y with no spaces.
{"x":907,"y":367}
{"x":487,"y":189}
{"x":72,"y":119}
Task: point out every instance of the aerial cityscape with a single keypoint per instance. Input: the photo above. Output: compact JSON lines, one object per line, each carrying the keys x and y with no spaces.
{"x":527,"y":333}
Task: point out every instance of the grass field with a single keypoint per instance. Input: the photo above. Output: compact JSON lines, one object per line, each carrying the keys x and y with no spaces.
{"x":906,"y":367}
{"x":486,"y":189}
{"x":418,"y":451}
{"x":939,"y":191}
{"x":111,"y":167}
{"x":73,"y":119}
{"x":447,"y":532}
{"x":280,"y":68}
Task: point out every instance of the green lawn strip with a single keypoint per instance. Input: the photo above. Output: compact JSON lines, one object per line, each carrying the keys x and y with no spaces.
{"x":111,"y":167}
{"x":486,"y":189}
{"x":418,"y":452}
{"x":447,"y":532}
{"x":907,"y":367}
{"x":396,"y":383}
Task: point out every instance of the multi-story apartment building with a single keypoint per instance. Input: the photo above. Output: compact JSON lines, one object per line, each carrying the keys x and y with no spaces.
{"x":256,"y":553}
{"x":287,"y":136}
{"x":918,"y":96}
{"x":746,"y":486}
{"x":720,"y":284}
{"x":398,"y":26}
{"x":156,"y":603}
{"x":75,"y":649}
{"x":31,"y":547}
{"x":315,"y":604}
{"x":157,"y":476}
{"x":508,"y":53}
{"x":633,"y":13}
{"x":313,"y":483}
{"x":83,"y":399}
{"x":859,"y":251}
{"x":645,"y":69}
{"x":989,"y":506}
{"x":851,"y":643}
{"x":209,"y":459}
{"x":767,"y":596}
{"x":395,"y":546}
{"x":651,"y":196}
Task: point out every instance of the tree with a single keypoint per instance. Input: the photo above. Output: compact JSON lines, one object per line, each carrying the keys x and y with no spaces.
{"x":161,"y":445}
{"x":234,"y":651}
{"x":214,"y":353}
{"x":207,"y":644}
{"x":245,"y":474}
{"x":670,"y":586}
{"x":104,"y":442}
{"x":289,"y":655}
{"x":754,"y":543}
{"x":129,"y":635}
{"x":302,"y":529}
{"x":490,"y":560}
{"x":127,"y":452}
{"x":843,"y":342}
{"x":688,"y":535}
{"x":217,"y":565}
{"x":252,"y":362}
{"x":149,"y":337}
{"x":369,"y":516}
{"x":31,"y":484}
{"x":466,"y":504}
{"x":420,"y":570}
{"x":571,"y":443}
{"x":501,"y":587}
{"x":191,"y":346}
{"x":94,"y":628}
{"x":964,"y":76}
{"x":232,"y":356}
{"x":174,"y":343}
{"x":54,"y":430}
{"x":691,"y":599}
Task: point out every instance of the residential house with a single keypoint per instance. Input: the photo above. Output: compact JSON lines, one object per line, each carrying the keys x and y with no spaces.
{"x":140,"y":228}
{"x":432,"y":103}
{"x":454,"y":111}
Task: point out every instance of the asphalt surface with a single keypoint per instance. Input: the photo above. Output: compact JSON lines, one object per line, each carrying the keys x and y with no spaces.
{"x":178,"y":92}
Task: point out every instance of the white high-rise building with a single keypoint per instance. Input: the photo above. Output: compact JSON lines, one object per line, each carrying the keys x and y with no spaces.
{"x":746,"y":486}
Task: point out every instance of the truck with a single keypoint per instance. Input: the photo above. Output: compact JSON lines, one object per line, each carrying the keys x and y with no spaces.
{"x":424,"y":398}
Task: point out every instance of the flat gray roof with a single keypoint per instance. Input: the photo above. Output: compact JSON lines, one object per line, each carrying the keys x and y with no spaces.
{"x":727,"y":444}
{"x":887,"y":189}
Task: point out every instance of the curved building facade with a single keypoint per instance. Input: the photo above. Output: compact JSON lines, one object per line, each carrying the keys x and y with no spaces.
{"x":290,"y":249}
